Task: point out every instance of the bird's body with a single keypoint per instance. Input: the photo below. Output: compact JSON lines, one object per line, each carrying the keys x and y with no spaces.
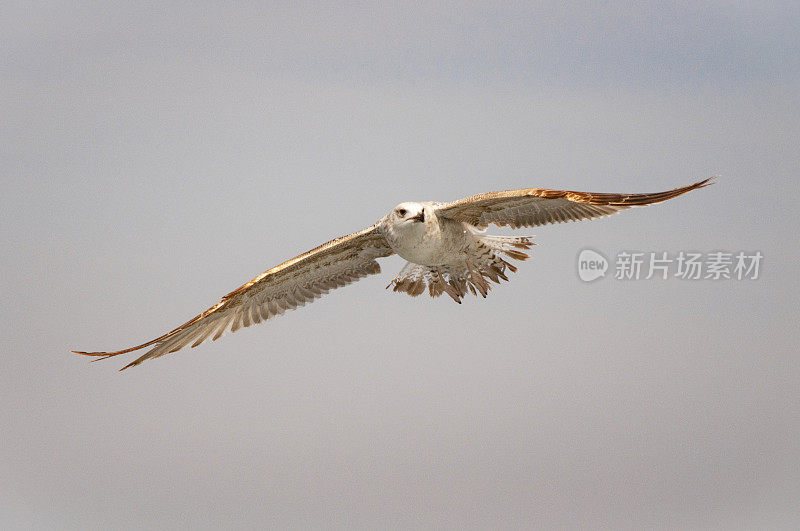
{"x":442,"y":243}
{"x":444,"y":254}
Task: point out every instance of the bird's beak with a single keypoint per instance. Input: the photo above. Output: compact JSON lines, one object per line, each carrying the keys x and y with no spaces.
{"x":419,"y":217}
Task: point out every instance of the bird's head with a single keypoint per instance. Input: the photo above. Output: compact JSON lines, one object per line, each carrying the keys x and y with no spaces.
{"x":408,"y":214}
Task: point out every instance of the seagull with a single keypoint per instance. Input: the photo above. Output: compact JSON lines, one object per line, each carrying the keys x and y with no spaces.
{"x":443,"y":243}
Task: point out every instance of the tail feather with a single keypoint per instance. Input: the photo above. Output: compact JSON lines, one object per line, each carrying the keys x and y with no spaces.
{"x":508,"y":245}
{"x":472,"y":275}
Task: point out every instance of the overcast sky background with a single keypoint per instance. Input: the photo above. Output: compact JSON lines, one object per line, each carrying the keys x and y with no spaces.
{"x":154,"y":158}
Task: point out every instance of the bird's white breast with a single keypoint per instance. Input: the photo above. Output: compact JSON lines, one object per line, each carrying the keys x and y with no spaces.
{"x":429,"y":243}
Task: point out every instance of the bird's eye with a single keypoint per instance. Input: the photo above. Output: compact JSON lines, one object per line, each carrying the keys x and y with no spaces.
{"x":401,"y":211}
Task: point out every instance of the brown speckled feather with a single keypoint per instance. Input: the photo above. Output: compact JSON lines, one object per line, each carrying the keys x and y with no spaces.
{"x":285,"y":287}
{"x":538,"y":206}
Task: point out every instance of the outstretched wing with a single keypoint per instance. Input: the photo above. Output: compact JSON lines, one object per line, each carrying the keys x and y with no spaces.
{"x":285,"y":287}
{"x":539,"y":206}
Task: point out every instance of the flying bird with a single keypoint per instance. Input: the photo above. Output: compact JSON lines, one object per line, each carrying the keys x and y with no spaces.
{"x":443,"y":243}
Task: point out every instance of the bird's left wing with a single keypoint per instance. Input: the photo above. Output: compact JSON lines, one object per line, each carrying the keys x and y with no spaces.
{"x":538,"y":206}
{"x":285,"y":287}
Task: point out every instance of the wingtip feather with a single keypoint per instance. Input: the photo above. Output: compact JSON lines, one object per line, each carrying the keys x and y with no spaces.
{"x":707,"y":182}
{"x":98,"y":355}
{"x":131,"y":364}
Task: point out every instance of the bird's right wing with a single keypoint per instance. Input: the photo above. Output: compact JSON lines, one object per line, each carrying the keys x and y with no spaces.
{"x":285,"y":287}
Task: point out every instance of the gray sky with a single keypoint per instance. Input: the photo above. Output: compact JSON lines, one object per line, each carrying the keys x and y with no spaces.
{"x":154,"y":158}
